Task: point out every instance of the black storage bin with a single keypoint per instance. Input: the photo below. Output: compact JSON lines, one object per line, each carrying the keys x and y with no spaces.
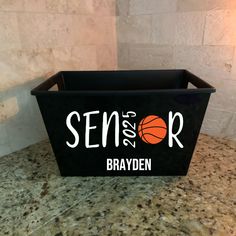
{"x":104,"y":123}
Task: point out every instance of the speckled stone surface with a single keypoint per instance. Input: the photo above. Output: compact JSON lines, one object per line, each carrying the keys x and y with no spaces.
{"x":35,"y":200}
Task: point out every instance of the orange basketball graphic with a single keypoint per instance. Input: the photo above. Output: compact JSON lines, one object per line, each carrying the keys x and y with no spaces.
{"x":152,"y":129}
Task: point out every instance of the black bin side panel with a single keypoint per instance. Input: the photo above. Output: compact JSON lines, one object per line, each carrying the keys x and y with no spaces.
{"x":85,"y":162}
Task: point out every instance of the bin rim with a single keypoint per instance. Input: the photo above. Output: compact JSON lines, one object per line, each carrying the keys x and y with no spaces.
{"x":43,"y":88}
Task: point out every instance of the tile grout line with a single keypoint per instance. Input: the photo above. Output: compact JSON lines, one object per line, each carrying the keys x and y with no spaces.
{"x":73,"y":205}
{"x":55,"y":13}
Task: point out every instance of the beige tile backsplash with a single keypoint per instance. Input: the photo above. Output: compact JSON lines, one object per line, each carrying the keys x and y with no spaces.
{"x":38,"y":38}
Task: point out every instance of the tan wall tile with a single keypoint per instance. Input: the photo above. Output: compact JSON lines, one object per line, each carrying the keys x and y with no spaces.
{"x":138,"y":7}
{"x":122,"y":7}
{"x":60,"y":30}
{"x":18,"y":67}
{"x":123,"y":55}
{"x":134,"y":29}
{"x":220,"y":28}
{"x":163,"y":29}
{"x":230,"y":131}
{"x":4,"y":141}
{"x":104,"y":7}
{"x":57,"y":6}
{"x":211,"y":124}
{"x":150,"y":57}
{"x":11,"y":5}
{"x":82,"y":7}
{"x":106,"y":57}
{"x":9,"y":32}
{"x":76,"y":58}
{"x":189,"y":28}
{"x":191,"y":5}
{"x":205,"y":61}
{"x":233,"y":73}
{"x":93,"y":30}
{"x":225,"y":96}
{"x":35,"y":5}
{"x":8,"y":108}
{"x":221,"y":4}
{"x":47,"y":30}
{"x":34,"y":31}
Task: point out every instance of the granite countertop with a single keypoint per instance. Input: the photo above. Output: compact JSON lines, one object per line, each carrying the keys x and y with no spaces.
{"x":35,"y":200}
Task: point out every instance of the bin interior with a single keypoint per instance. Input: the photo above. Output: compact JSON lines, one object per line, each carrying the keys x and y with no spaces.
{"x":123,"y":80}
{"x":139,"y":80}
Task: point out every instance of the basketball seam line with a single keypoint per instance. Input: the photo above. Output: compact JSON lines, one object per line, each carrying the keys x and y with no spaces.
{"x":156,"y":118}
{"x":143,"y":133}
{"x":150,"y":127}
{"x":153,"y":135}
